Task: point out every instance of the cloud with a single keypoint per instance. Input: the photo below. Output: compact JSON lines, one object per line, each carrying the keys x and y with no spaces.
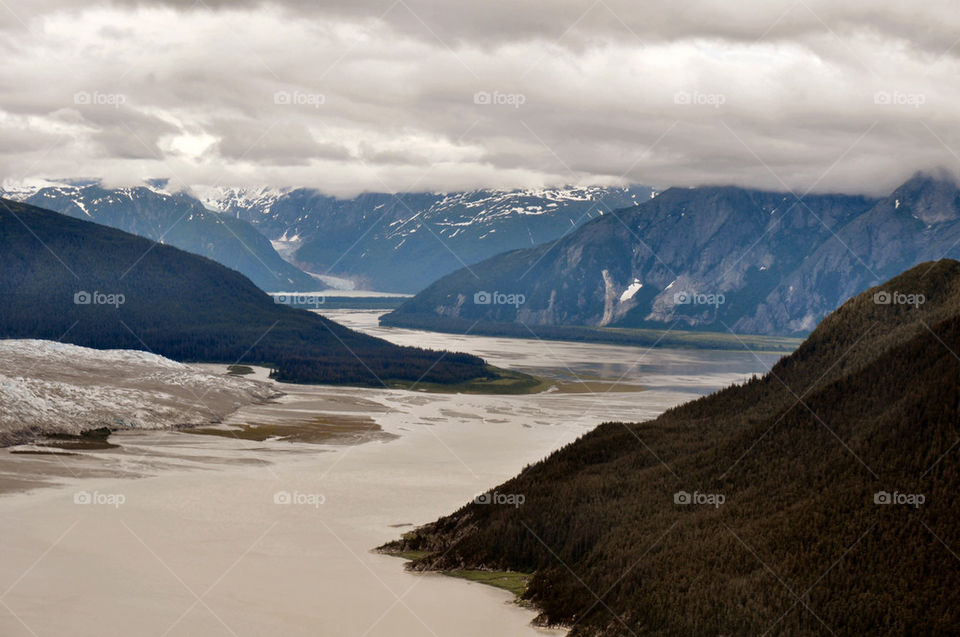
{"x":434,"y":95}
{"x":932,"y":25}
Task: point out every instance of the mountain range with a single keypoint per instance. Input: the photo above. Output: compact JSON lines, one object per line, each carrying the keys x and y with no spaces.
{"x":377,"y":241}
{"x":64,"y":279}
{"x":711,"y":258}
{"x":403,"y":242}
{"x":181,"y":221}
{"x":817,"y":499}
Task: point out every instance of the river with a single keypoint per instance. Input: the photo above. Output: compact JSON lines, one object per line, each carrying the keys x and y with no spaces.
{"x":174,"y":533}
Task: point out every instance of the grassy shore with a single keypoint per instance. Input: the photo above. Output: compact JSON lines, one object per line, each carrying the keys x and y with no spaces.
{"x":511,"y":581}
{"x":495,"y":381}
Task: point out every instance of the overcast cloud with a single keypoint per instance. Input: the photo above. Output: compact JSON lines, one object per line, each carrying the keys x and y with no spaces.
{"x":413,"y":95}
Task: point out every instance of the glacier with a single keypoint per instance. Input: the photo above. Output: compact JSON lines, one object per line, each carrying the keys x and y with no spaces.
{"x":48,"y":388}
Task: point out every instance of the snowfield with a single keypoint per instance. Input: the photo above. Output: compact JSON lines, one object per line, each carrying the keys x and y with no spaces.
{"x":48,"y":387}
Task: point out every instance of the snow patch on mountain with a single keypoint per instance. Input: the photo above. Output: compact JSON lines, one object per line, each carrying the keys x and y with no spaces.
{"x":491,"y":205}
{"x":23,"y":189}
{"x":286,"y":248}
{"x":233,"y":200}
{"x":631,"y":290}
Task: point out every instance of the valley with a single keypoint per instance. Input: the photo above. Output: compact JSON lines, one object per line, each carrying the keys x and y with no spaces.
{"x":423,"y":318}
{"x":201,"y":500}
{"x":248,"y":389}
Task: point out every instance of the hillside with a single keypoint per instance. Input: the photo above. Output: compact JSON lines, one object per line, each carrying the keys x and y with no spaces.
{"x":78,"y":282}
{"x":181,"y":221}
{"x":762,"y":509}
{"x":403,"y":242}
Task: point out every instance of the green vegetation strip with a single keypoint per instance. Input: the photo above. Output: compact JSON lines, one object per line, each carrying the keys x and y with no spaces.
{"x":494,"y":381}
{"x":512,"y":581}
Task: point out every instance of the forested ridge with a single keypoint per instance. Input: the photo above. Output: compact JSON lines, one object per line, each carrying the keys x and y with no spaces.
{"x":78,"y":282}
{"x":868,"y":405}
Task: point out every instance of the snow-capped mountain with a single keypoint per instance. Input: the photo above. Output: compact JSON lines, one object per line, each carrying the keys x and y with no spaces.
{"x":175,"y":219}
{"x":240,"y":202}
{"x":48,"y":387}
{"x":403,"y":242}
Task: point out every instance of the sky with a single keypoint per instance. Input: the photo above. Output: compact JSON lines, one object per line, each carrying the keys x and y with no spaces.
{"x":440,"y":95}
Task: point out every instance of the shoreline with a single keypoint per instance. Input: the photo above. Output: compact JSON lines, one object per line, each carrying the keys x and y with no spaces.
{"x":626,"y":336}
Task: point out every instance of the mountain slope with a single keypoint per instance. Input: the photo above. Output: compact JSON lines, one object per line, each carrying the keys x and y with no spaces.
{"x":700,"y":258}
{"x":819,"y":499}
{"x":918,"y":222}
{"x":181,"y":221}
{"x":94,"y":286}
{"x":403,"y":242}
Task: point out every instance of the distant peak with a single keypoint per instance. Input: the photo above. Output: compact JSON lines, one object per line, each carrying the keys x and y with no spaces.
{"x":940,"y":174}
{"x":930,"y":196}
